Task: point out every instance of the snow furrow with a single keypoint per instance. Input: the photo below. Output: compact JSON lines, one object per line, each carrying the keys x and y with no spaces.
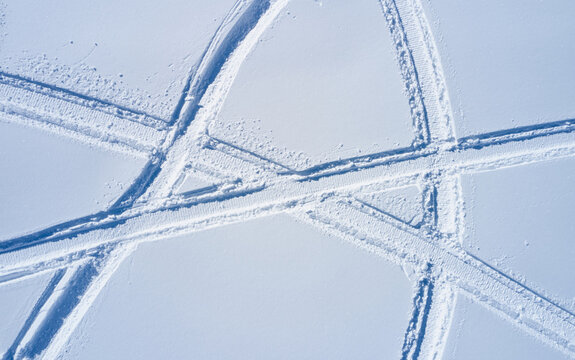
{"x":408,"y":72}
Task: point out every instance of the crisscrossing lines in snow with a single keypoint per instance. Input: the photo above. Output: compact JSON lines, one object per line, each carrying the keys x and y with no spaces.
{"x":85,"y":252}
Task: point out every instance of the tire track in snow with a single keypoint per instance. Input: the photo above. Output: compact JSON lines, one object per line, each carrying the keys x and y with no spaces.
{"x":25,"y":84}
{"x":48,"y":292}
{"x":438,"y":155}
{"x":79,"y":117}
{"x":204,"y":106}
{"x":290,"y":190}
{"x":54,"y":331}
{"x":537,"y":145}
{"x":524,"y":307}
{"x":415,"y":333}
{"x":188,"y":129}
{"x":64,"y":303}
{"x":408,"y":72}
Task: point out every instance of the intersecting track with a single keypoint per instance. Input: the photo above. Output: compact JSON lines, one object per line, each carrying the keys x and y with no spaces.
{"x":83,"y":253}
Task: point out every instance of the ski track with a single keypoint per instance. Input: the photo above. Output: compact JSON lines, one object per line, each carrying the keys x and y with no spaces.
{"x":418,"y":324}
{"x":83,"y":253}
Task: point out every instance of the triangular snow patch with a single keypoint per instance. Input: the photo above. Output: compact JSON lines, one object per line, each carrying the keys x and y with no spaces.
{"x":194,"y":183}
{"x":17,"y":299}
{"x":326,"y":73}
{"x":404,"y":204}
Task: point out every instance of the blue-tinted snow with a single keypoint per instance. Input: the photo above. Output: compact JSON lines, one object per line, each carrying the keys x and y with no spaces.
{"x":17,"y":300}
{"x":48,"y":179}
{"x":478,"y":334}
{"x":404,"y":204}
{"x":109,"y":49}
{"x":325,"y":81}
{"x":270,"y":288}
{"x":508,"y":63}
{"x":521,"y":220}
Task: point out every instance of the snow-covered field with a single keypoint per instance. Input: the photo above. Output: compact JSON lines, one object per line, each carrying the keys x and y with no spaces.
{"x":287,"y":179}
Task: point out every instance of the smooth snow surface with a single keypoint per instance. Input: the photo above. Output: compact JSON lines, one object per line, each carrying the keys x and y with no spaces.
{"x":478,"y":334}
{"x":194,"y":183}
{"x":54,"y":179}
{"x":17,"y":300}
{"x":516,"y":71}
{"x":270,"y":288}
{"x":316,"y":179}
{"x":521,"y":220}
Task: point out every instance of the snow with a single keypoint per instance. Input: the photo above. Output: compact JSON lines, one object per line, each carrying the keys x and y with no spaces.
{"x":17,"y":300}
{"x":516,"y":70}
{"x":286,"y":178}
{"x":402,"y":203}
{"x":108,"y":49}
{"x":269,"y":288}
{"x":54,"y":179}
{"x":520,"y":219}
{"x":479,"y":334}
{"x":193,"y":183}
{"x":326,"y":76}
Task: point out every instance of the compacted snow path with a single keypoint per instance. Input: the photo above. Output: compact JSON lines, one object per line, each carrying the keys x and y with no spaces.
{"x":83,"y":253}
